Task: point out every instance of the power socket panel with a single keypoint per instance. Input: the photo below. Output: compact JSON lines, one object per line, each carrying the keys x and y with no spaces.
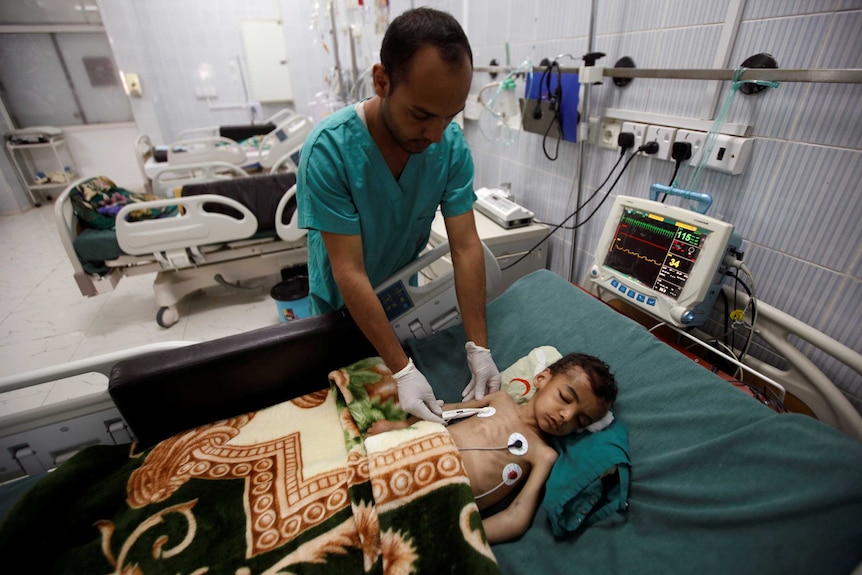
{"x":665,"y":138}
{"x":609,"y":133}
{"x":729,"y":154}
{"x":639,"y":130}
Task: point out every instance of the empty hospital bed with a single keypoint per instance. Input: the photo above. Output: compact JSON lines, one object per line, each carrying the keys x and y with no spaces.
{"x":222,"y":231}
{"x":233,"y":471}
{"x":275,"y":149}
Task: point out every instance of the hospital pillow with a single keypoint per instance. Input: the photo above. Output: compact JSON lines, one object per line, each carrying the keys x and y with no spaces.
{"x":97,"y":201}
{"x":517,"y":379}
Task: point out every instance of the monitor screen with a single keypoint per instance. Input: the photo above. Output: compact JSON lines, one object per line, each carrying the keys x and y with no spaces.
{"x":663,"y":259}
{"x":655,"y":250}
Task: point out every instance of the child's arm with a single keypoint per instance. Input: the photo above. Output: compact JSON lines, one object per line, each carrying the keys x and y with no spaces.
{"x":516,"y":518}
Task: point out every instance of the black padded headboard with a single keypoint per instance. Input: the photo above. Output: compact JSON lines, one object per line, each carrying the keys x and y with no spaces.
{"x":165,"y":393}
{"x":242,"y":132}
{"x":260,"y":193}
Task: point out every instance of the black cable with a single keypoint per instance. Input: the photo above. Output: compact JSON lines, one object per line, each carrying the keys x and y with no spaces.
{"x":726,"y":303}
{"x":651,"y":146}
{"x":555,"y":101}
{"x":551,"y":124}
{"x":673,"y":176}
{"x":579,"y":208}
{"x":751,"y":300}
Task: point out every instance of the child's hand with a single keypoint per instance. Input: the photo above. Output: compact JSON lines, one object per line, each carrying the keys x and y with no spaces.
{"x":382,"y":425}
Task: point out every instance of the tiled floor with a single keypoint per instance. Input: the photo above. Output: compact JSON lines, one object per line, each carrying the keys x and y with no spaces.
{"x":44,"y":319}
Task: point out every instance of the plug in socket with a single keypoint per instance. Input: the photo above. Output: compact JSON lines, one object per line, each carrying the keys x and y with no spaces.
{"x":696,"y":139}
{"x":639,"y":130}
{"x":664,"y":136}
{"x":609,"y":132}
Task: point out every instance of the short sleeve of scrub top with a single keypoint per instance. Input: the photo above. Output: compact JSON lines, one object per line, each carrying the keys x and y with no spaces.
{"x":344,"y":186}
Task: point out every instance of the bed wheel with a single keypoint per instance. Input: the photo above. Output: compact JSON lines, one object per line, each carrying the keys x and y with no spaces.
{"x":167,"y":316}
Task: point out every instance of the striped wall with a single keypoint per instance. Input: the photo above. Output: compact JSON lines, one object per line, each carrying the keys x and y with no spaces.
{"x":799,"y":203}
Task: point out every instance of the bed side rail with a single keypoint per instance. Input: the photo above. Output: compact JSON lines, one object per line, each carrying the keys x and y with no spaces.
{"x":290,"y":231}
{"x":212,"y":149}
{"x":181,"y":389}
{"x":38,"y":439}
{"x":194,"y":226}
{"x":284,"y":140}
{"x":804,"y":379}
{"x":67,"y":227}
{"x":169,"y":178}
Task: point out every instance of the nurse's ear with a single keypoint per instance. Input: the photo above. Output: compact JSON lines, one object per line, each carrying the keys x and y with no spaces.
{"x":381,"y":80}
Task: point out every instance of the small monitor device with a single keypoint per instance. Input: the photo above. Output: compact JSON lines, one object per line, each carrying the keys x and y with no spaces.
{"x":665,"y":260}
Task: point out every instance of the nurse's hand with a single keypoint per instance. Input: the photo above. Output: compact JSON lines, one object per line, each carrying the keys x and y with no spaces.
{"x":486,"y":376}
{"x":416,"y":396}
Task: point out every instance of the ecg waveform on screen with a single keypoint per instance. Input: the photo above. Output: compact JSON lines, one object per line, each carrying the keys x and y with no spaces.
{"x":635,"y":254}
{"x":662,"y":231}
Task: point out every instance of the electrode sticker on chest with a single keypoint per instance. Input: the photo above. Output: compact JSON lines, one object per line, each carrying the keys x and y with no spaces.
{"x":512,"y":473}
{"x":518,"y":444}
{"x":486,"y":412}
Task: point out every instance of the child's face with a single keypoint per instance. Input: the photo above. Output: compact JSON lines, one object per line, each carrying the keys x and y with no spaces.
{"x":563,"y":404}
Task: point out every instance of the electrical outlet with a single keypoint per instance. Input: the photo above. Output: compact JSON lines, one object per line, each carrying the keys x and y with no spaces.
{"x":609,"y":133}
{"x":696,"y":139}
{"x":639,"y":130}
{"x":729,"y":154}
{"x":664,"y":136}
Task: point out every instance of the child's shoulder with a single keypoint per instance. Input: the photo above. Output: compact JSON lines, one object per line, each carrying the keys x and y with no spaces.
{"x":500,"y":397}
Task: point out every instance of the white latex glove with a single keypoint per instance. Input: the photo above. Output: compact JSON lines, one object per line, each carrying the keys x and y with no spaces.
{"x":486,"y":376}
{"x":416,"y":396}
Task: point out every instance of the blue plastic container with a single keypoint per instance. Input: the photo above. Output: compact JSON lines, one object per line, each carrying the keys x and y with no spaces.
{"x":291,"y":297}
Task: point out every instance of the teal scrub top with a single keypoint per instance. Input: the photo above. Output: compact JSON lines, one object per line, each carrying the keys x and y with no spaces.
{"x":344,"y":186}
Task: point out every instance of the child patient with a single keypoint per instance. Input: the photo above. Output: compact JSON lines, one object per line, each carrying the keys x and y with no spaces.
{"x":506,"y":444}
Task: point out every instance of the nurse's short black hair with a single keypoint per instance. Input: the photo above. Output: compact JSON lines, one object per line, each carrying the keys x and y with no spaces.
{"x":415,"y":29}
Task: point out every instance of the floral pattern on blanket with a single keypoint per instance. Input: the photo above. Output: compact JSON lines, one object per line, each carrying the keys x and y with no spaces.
{"x":293,"y":488}
{"x":97,"y":202}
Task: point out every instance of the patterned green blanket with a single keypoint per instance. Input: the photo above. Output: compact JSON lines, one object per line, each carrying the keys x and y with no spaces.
{"x":293,"y":488}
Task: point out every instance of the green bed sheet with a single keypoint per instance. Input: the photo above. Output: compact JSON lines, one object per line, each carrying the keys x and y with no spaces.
{"x":719,"y":482}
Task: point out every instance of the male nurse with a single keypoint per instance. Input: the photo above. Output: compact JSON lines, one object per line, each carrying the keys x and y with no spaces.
{"x":371,"y":178}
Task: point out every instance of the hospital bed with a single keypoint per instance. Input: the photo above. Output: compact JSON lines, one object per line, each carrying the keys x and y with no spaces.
{"x":224,"y":231}
{"x":275,"y":149}
{"x":717,"y":482}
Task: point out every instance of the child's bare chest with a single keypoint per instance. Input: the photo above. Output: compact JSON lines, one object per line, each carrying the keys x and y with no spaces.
{"x":496,"y":453}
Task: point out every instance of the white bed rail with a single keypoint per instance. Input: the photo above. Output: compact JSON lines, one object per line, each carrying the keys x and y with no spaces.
{"x":284,"y":140}
{"x":289,"y":232}
{"x":804,"y":379}
{"x":193,"y":225}
{"x":39,"y":439}
{"x":169,"y":178}
{"x":211,"y":149}
{"x":67,"y":228}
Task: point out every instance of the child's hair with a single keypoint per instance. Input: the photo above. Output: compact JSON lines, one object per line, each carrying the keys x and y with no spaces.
{"x":602,"y":381}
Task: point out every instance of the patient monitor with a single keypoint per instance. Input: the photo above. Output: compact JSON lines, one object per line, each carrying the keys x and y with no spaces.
{"x":665,"y":260}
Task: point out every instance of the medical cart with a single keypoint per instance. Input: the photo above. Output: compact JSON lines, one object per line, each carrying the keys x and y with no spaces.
{"x":507,"y":245}
{"x":42,"y":159}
